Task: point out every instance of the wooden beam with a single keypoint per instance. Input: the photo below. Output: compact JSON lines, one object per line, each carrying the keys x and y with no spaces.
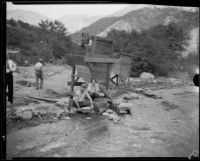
{"x":42,"y":99}
{"x":72,"y":78}
{"x":74,"y":83}
{"x":101,"y":60}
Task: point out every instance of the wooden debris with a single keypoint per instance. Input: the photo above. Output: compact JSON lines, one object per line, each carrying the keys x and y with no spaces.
{"x":42,"y":99}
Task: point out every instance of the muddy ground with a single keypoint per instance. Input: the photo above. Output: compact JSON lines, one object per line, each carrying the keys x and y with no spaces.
{"x":166,"y":127}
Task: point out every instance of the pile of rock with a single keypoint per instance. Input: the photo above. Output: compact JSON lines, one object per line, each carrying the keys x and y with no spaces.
{"x":143,"y":79}
{"x":112,"y":115}
{"x":37,"y":110}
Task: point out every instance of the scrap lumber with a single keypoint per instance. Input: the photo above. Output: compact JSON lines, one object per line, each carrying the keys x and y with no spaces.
{"x":144,"y":93}
{"x":42,"y":99}
{"x":112,"y":105}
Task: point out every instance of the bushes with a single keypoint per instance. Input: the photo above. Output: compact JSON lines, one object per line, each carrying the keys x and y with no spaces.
{"x":153,"y":50}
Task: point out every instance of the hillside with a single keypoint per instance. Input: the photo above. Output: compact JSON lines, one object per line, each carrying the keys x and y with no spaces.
{"x":75,"y":23}
{"x":140,"y":19}
{"x":26,"y":16}
{"x":94,"y":28}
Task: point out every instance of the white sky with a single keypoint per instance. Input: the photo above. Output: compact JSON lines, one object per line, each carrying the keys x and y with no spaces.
{"x":54,"y":11}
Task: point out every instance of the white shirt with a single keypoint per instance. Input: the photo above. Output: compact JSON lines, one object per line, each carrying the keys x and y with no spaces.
{"x":11,"y":66}
{"x":38,"y":66}
{"x":93,"y":88}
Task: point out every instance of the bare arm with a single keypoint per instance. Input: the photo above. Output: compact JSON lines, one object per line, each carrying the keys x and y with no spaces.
{"x":91,"y":102}
{"x":14,"y":67}
{"x":76,"y":99}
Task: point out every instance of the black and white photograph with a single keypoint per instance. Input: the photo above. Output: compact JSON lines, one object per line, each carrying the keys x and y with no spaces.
{"x":101,"y":80}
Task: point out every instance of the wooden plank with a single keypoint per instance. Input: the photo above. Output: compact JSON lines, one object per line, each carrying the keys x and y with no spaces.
{"x":84,"y":72}
{"x":101,"y":60}
{"x":75,"y":84}
{"x":42,"y":99}
{"x":75,"y":59}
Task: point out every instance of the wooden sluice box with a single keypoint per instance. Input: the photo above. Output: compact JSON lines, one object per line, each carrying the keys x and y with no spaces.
{"x":98,"y":63}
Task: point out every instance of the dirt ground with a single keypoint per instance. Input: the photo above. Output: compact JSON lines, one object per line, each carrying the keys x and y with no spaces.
{"x":167,"y":127}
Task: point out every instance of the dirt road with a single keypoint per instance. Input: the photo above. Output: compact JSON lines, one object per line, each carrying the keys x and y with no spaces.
{"x":167,"y":127}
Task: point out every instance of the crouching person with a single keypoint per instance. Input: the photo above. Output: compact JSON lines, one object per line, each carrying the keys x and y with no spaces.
{"x":82,"y":99}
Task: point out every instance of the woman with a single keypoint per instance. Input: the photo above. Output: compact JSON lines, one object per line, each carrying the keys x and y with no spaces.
{"x":93,"y":89}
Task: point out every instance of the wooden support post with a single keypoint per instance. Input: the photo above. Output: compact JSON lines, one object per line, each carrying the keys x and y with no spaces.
{"x":107,"y":77}
{"x":72,"y":86}
{"x":117,"y":79}
{"x":72,"y":78}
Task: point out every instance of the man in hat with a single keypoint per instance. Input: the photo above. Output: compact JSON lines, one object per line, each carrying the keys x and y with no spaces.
{"x":10,"y":68}
{"x":39,"y":74}
{"x":83,"y":99}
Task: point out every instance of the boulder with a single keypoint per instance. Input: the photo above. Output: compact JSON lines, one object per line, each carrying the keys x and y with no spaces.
{"x":126,"y":96}
{"x":139,"y":89}
{"x":105,"y":114}
{"x":113,"y":117}
{"x":27,"y":115}
{"x":134,"y":95}
{"x":146,"y":76}
{"x":118,"y":100}
{"x":109,"y":111}
{"x":87,"y":109}
{"x":123,"y":112}
{"x":125,"y":105}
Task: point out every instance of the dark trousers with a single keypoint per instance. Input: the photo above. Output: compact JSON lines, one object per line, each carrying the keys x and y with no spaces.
{"x":9,"y":85}
{"x":84,"y":104}
{"x":94,"y":95}
{"x":39,"y":75}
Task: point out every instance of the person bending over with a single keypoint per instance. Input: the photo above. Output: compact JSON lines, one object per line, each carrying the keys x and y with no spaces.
{"x":83,"y":99}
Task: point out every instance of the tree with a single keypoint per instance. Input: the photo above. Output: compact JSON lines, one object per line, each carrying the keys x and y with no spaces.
{"x":56,"y":27}
{"x":156,"y":50}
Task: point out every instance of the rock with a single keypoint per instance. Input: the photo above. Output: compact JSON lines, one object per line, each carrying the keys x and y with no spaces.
{"x":109,"y":111}
{"x":42,"y":112}
{"x":113,"y":117}
{"x":118,"y":100}
{"x":126,"y":96}
{"x":125,"y":105}
{"x":134,"y":95}
{"x":139,"y":89}
{"x":87,"y":109}
{"x":146,"y":75}
{"x":123,"y":112}
{"x":105,"y":114}
{"x":27,"y":115}
{"x":155,"y":81}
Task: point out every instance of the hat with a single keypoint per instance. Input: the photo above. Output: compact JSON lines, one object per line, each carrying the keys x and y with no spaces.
{"x":40,"y":59}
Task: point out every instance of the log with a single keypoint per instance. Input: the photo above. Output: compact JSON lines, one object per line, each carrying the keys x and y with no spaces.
{"x":42,"y":99}
{"x":144,"y":93}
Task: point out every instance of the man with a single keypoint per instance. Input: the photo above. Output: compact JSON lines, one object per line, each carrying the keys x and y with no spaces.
{"x":39,"y":74}
{"x":10,"y":68}
{"x":93,"y":89}
{"x":83,"y":99}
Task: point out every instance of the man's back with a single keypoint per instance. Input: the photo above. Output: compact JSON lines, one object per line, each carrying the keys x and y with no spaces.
{"x":38,"y":66}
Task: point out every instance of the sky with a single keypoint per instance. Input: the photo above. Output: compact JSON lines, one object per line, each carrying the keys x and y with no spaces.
{"x":55,"y":11}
